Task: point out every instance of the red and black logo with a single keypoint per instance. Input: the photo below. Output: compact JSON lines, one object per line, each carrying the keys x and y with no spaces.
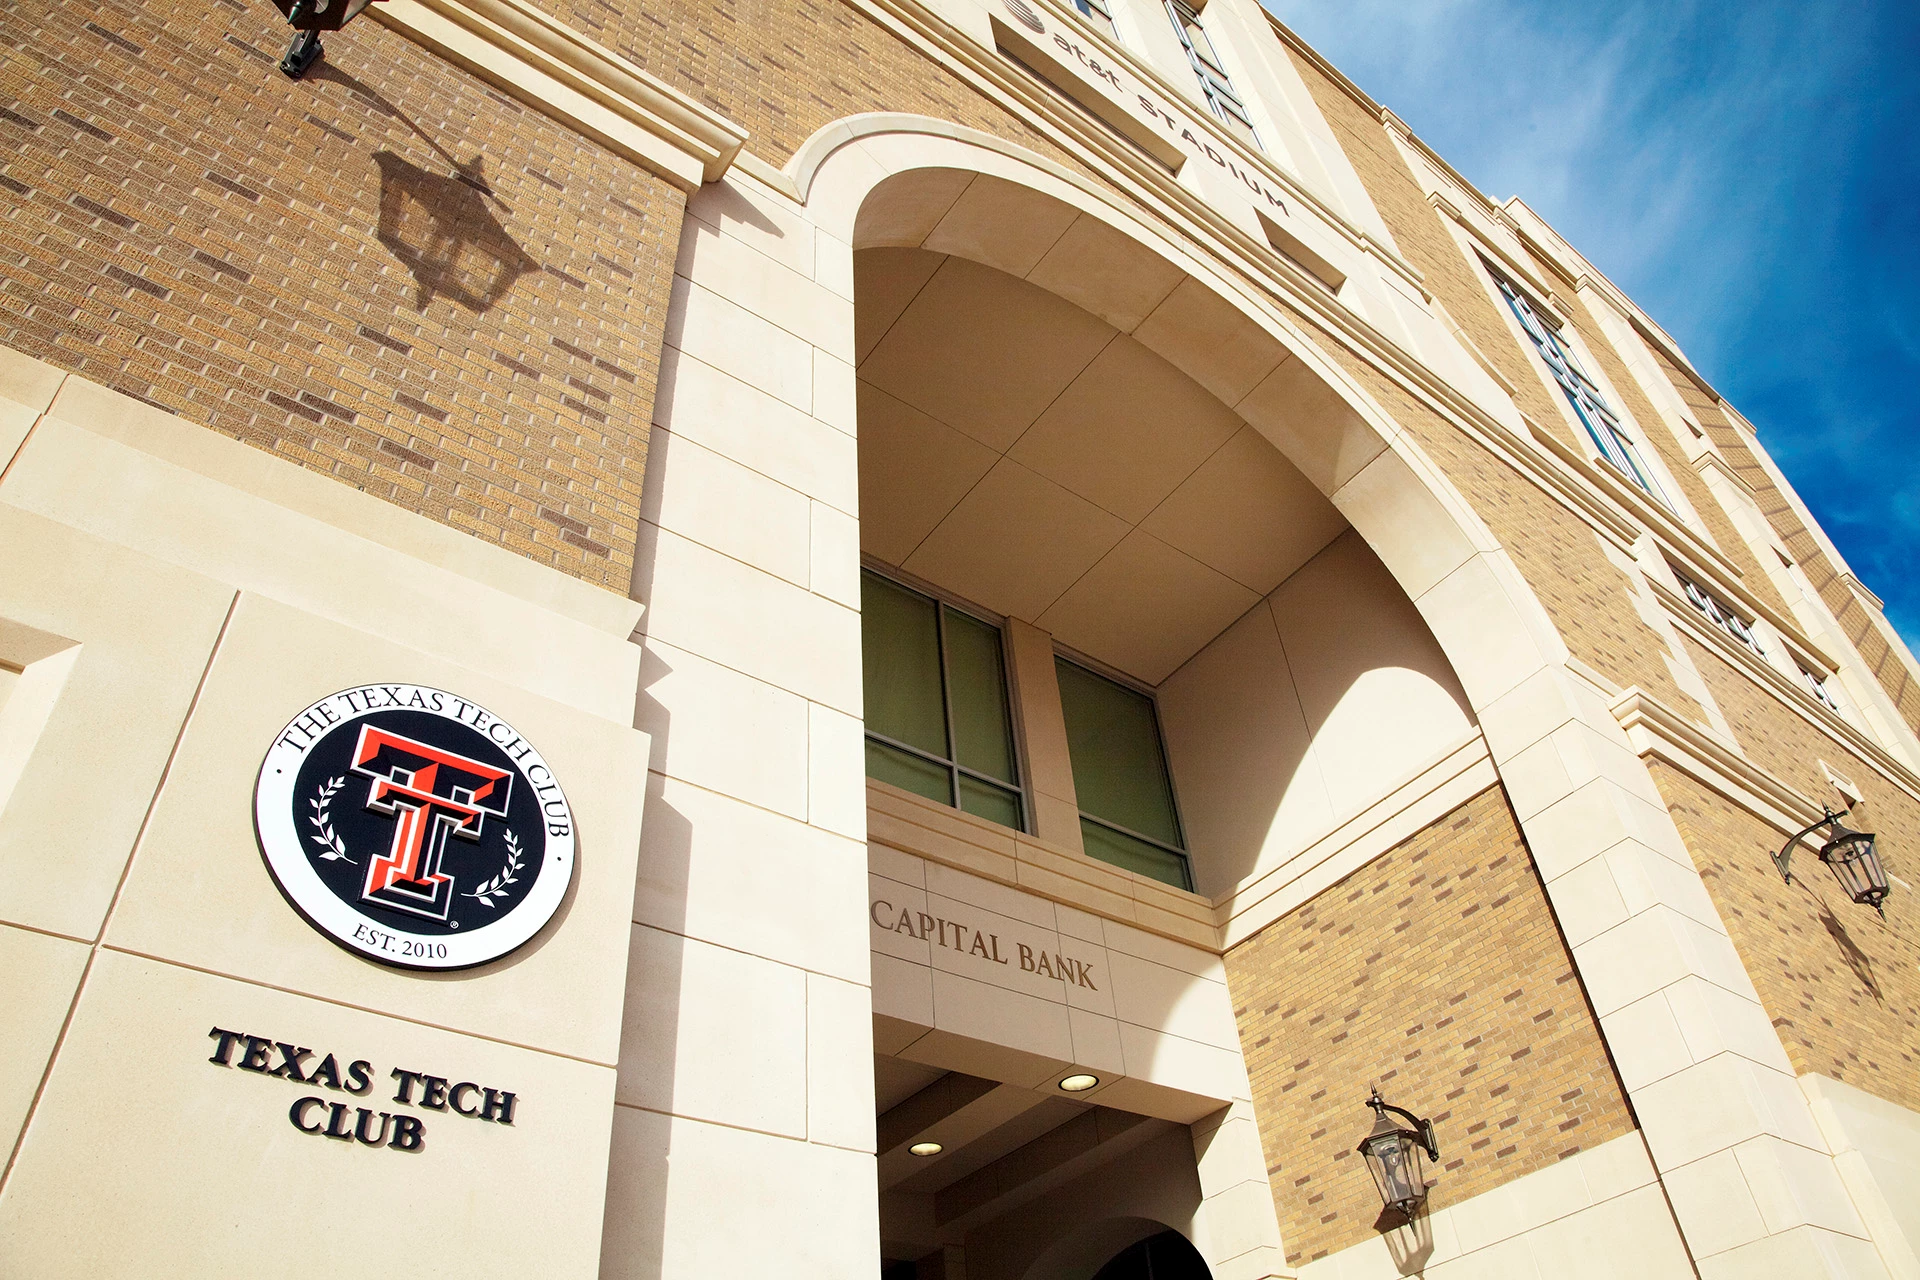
{"x":414,"y":826}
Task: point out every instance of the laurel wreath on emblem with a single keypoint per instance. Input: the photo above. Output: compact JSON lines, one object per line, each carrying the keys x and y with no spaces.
{"x":332,"y":846}
{"x":510,"y":874}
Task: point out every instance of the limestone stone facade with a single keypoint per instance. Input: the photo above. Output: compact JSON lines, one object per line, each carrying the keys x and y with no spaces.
{"x":583,"y":358}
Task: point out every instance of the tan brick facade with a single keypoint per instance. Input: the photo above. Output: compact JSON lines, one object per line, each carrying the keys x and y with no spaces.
{"x":785,"y":68}
{"x":1807,"y":551}
{"x":385,"y":272}
{"x":1437,"y":973}
{"x":1842,"y":986}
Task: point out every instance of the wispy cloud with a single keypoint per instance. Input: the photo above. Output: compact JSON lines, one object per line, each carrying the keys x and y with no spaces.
{"x":1748,"y":173}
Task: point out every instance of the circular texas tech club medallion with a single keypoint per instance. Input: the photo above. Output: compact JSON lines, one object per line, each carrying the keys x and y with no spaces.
{"x":414,"y":826}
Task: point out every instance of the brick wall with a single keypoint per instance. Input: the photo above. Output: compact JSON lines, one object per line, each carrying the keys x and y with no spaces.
{"x":1658,"y":437}
{"x":1885,"y":664}
{"x":1589,"y":599}
{"x":385,"y":272}
{"x":1842,"y":987}
{"x":1437,"y":972}
{"x":785,"y":68}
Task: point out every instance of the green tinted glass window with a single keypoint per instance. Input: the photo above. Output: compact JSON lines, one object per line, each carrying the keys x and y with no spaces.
{"x":938,"y":722}
{"x":1120,"y":776}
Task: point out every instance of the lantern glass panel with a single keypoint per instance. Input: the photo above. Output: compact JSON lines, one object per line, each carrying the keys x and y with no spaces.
{"x":1856,"y":865}
{"x":1397,"y":1164}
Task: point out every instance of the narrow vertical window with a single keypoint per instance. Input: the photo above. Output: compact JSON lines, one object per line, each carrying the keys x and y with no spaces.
{"x":1127,"y":816}
{"x":1099,"y":14}
{"x":1215,"y":87}
{"x":1602,"y":424}
{"x":1720,"y":613}
{"x":936,"y":698}
{"x":1817,"y":685}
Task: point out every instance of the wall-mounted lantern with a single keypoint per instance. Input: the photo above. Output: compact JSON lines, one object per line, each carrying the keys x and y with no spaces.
{"x":1397,"y":1156}
{"x":1849,"y":854}
{"x":310,"y":18}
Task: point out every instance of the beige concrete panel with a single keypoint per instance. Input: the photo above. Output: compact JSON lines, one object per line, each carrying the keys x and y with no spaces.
{"x":775,"y":291}
{"x":1174,"y":1078}
{"x":885,"y":280}
{"x":890,"y":902}
{"x":199,"y":894}
{"x":1379,"y":696}
{"x":1415,"y":534}
{"x":1239,"y":747}
{"x":42,"y":975}
{"x":1482,"y":630}
{"x":1154,"y":996}
{"x":1034,"y":342}
{"x":1197,"y":961}
{"x":834,"y":396}
{"x":1096,"y":1042}
{"x":1806,"y":1253}
{"x":839,"y":1063}
{"x":121,"y":642}
{"x":1005,"y":226}
{"x":833,"y":264}
{"x":1652,"y":951}
{"x":1646,"y":1042}
{"x":913,"y":471}
{"x":836,"y":772}
{"x":1036,"y":693}
{"x":1712,"y":1197}
{"x":901,"y":211}
{"x":1211,"y":340}
{"x":1248,"y":513}
{"x":1126,"y":432}
{"x":995,"y":1015}
{"x":734,"y":340}
{"x":158,"y":1146}
{"x":903,"y":994}
{"x":1104,"y":270}
{"x":1797,"y":1187}
{"x":1016,"y":542}
{"x":27,"y":387}
{"x":1631,"y":1235}
{"x":713,"y":409}
{"x":711,"y":1033}
{"x":1312,"y":425}
{"x":1145,"y":608}
{"x":739,"y":876}
{"x":1715,"y":1105}
{"x":746,"y":212}
{"x":1001,"y":899}
{"x":724,"y":731}
{"x":692,"y":1199}
{"x":184,"y":494}
{"x":725,"y":507}
{"x":834,"y":555}
{"x":1877,"y":1146}
{"x":753,"y":622}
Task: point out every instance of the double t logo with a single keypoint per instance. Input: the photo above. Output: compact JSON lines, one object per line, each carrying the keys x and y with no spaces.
{"x":430,"y":793}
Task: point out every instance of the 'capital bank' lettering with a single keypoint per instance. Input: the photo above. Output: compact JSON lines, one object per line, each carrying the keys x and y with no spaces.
{"x":967,"y":940}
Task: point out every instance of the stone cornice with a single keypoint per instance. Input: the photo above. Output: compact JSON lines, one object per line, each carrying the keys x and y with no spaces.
{"x":560,"y":72}
{"x":1786,"y":690}
{"x":1657,"y":730}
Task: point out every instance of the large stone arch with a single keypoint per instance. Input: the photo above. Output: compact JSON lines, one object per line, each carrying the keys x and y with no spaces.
{"x":1693,"y":1046}
{"x":887,"y":180}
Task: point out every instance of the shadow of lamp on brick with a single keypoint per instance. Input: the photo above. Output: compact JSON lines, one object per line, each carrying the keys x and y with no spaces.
{"x":309,"y":18}
{"x":1396,"y":1155}
{"x":1849,"y":854}
{"x":442,"y":229}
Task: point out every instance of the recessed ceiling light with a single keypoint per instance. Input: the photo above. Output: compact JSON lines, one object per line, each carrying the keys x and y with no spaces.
{"x":926,"y":1148}
{"x":1079,"y":1083}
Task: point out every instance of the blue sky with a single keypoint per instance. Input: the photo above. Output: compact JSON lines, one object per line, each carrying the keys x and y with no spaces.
{"x":1748,"y":173}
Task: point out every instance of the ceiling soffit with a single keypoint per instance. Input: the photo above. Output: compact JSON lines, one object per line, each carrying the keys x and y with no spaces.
{"x":1026,"y":455}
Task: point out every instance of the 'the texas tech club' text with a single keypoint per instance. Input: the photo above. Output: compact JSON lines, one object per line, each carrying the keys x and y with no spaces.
{"x":317,"y":1115}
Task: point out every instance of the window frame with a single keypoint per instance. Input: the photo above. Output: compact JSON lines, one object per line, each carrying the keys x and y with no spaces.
{"x":1603,"y":426}
{"x":1720,"y":613}
{"x":1097,"y":14}
{"x":1021,"y":786}
{"x":1816,"y":684}
{"x":1101,"y":670}
{"x":1216,"y":86}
